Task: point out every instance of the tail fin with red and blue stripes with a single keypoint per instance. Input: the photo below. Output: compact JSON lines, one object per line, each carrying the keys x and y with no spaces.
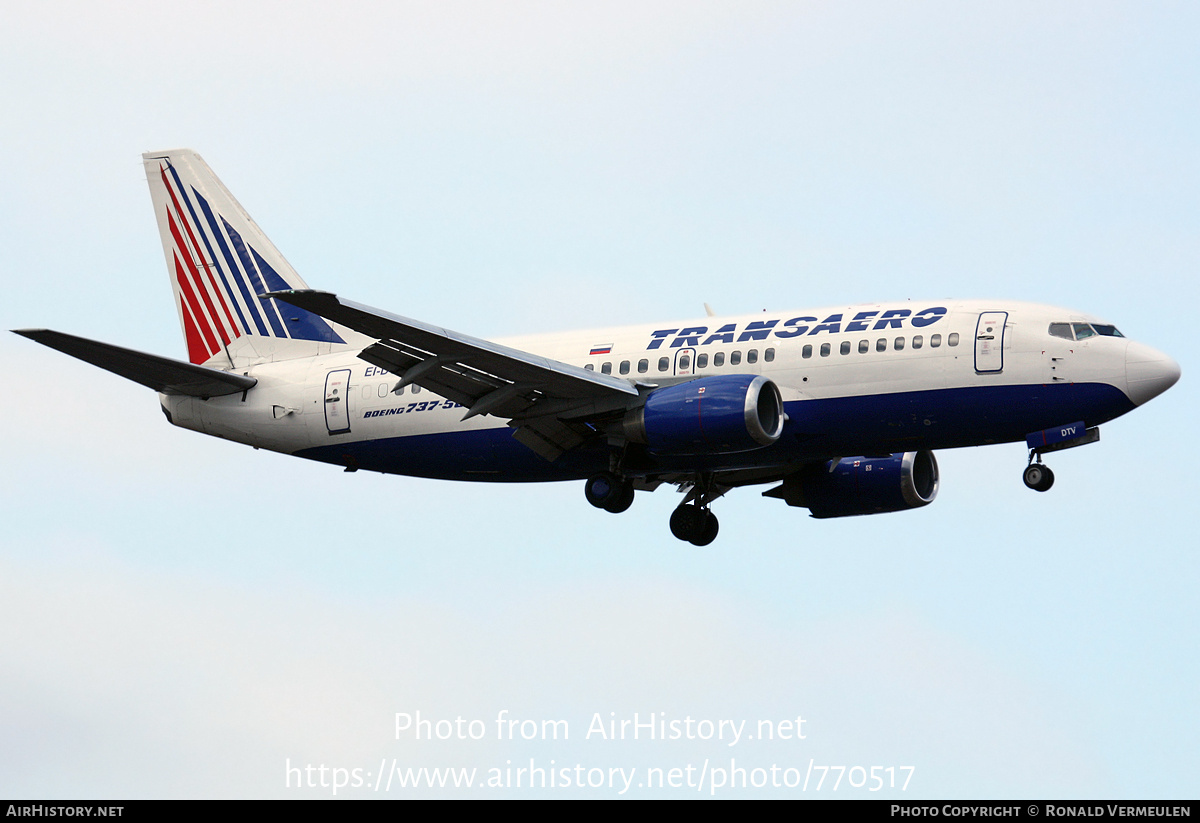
{"x":219,"y":262}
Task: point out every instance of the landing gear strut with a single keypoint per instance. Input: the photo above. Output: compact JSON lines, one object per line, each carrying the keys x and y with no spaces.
{"x":1037,"y":476}
{"x":609,"y":492}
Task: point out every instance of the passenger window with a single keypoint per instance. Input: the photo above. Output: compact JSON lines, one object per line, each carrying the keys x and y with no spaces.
{"x":664,"y":363}
{"x":845,"y":347}
{"x":825,"y":349}
{"x":881,"y":344}
{"x":382,"y":390}
{"x":1062,"y":330}
{"x":952,"y":340}
{"x":702,"y":361}
{"x":935,"y":341}
{"x":719,"y":359}
{"x":918,"y":340}
{"x":752,"y":356}
{"x":1083,"y":331}
{"x":643,"y":366}
{"x":735,"y":358}
{"x":398,"y":391}
{"x":590,"y":366}
{"x":806,"y":352}
{"x":606,"y":368}
{"x":685,"y":362}
{"x":416,"y":389}
{"x":769,"y":355}
{"x":624,"y":367}
{"x":899,"y":344}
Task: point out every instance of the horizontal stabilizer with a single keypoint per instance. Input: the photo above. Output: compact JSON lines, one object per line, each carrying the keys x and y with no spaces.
{"x":159,"y":373}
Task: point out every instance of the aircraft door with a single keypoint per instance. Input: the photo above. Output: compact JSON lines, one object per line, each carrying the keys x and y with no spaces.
{"x":989,"y":342}
{"x":685,"y":362}
{"x":337,"y":401}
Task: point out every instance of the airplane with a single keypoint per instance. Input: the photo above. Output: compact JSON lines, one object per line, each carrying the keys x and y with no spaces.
{"x":841,"y":406}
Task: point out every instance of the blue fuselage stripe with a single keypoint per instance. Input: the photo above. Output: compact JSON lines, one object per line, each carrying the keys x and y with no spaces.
{"x":816,"y":430}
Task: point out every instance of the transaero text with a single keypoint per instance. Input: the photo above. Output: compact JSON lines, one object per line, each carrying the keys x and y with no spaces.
{"x":877,"y":320}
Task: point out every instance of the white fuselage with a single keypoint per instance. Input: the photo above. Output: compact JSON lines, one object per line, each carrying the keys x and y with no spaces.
{"x":872,"y":378}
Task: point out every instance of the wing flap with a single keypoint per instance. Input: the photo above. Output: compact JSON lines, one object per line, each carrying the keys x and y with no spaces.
{"x":162,"y":374}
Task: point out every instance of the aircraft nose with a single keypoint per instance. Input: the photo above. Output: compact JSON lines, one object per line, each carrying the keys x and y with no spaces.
{"x":1148,"y":372}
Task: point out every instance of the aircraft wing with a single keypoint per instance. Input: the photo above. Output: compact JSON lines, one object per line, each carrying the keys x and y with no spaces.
{"x":549,"y":403}
{"x":162,"y":374}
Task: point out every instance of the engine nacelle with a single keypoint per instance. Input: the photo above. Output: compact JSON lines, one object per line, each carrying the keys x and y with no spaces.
{"x":863,"y":485}
{"x":711,"y":415}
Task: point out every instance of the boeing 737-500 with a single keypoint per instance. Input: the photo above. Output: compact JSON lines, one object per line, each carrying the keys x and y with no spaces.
{"x":840,"y":408}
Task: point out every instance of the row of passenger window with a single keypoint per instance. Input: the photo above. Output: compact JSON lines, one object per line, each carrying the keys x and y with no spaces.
{"x":685,"y":362}
{"x":735,"y":358}
{"x":383,"y":389}
{"x":864,"y":346}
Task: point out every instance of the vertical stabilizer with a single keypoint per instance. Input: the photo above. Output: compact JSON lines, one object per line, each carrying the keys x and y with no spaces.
{"x":219,"y":262}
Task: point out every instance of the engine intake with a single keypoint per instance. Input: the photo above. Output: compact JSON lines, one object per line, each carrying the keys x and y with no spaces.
{"x":711,"y":415}
{"x":863,"y":485}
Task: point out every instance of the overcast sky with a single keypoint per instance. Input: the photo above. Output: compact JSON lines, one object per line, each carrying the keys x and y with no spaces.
{"x":185,"y":617}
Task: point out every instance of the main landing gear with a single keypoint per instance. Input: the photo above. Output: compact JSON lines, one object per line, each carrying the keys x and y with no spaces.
{"x":695,"y":524}
{"x":692,"y":520}
{"x":1038,"y":476}
{"x":609,"y":492}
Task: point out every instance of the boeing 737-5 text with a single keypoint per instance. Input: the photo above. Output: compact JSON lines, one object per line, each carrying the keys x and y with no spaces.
{"x":841,"y":407}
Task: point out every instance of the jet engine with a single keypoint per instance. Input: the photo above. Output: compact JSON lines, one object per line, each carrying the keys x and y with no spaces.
{"x":711,"y":415}
{"x":863,"y":485}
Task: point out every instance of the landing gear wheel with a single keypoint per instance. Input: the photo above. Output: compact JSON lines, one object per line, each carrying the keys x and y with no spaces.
{"x":694,"y":525}
{"x":709,"y":531}
{"x":622,"y":500}
{"x":602,"y":489}
{"x":1038,"y":477}
{"x":609,"y":492}
{"x":686,"y":522}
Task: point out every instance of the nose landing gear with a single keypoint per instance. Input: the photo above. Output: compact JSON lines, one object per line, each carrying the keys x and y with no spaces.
{"x":1038,"y":476}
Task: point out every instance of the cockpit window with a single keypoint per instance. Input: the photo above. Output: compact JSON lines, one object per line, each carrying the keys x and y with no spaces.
{"x":1082,"y":331}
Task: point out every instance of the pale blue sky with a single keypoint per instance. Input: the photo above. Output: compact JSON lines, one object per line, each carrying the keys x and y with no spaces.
{"x":179,"y":616}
